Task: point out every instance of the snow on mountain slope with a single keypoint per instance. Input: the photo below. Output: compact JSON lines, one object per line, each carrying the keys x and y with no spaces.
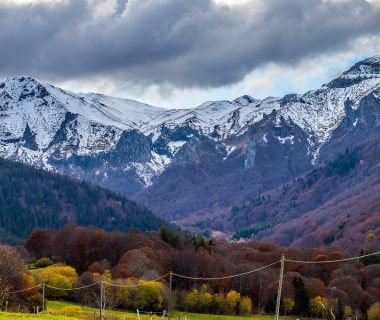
{"x":223,"y":117}
{"x":321,"y":111}
{"x":94,"y":136}
{"x":317,"y":112}
{"x":121,"y":113}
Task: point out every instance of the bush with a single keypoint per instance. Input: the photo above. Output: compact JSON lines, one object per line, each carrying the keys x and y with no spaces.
{"x":43,"y":262}
{"x":71,"y":311}
{"x":288,"y":305}
{"x":245,"y":307}
{"x":35,"y":302}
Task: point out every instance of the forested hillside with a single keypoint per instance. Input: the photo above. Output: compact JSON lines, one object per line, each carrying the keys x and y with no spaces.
{"x":124,"y":258}
{"x":336,"y":204}
{"x":32,"y":198}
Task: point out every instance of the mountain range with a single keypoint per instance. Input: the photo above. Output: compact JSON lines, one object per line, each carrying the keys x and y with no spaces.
{"x":213,"y":167}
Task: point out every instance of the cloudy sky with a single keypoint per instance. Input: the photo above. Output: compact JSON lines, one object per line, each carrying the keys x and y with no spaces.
{"x":179,"y":53}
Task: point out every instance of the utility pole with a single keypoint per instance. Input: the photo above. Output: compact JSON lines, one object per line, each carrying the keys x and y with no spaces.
{"x":280,"y":287}
{"x":170,"y":294}
{"x":43,"y":297}
{"x":101,"y":301}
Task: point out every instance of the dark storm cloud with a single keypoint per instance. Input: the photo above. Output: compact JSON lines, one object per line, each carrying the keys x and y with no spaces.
{"x":180,"y":42}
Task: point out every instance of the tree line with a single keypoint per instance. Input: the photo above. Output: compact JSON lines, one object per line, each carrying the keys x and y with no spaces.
{"x":347,"y":288}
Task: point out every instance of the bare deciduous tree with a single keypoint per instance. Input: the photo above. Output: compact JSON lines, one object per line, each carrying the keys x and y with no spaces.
{"x":12,"y":273}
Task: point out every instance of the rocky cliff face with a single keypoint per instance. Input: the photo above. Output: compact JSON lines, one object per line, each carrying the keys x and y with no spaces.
{"x":188,"y":164}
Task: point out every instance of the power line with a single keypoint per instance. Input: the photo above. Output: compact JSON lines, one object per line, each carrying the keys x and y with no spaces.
{"x":91,"y":285}
{"x":227,"y":277}
{"x":333,"y":261}
{"x":72,"y":289}
{"x":199,"y":278}
{"x":134,"y":285}
{"x":22,"y":290}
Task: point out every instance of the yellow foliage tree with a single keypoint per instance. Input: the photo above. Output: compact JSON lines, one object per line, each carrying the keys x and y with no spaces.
{"x":233,"y":299}
{"x":288,"y":305}
{"x":125,"y":295}
{"x":373,"y":312}
{"x":218,"y":303}
{"x":148,"y":296}
{"x":348,"y":313}
{"x":245,"y":307}
{"x":318,"y":306}
{"x":191,"y":300}
{"x":58,"y":276}
{"x":204,"y":299}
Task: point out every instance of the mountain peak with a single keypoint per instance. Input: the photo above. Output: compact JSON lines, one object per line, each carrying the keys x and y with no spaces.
{"x":363,"y":70}
{"x":372,"y":60}
{"x":20,"y":79}
{"x":244,"y":100}
{"x":21,"y":87}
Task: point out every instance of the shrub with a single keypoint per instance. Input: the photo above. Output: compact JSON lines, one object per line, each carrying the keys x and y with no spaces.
{"x":71,"y":311}
{"x":43,"y":262}
{"x":245,"y":307}
{"x":288,"y":305}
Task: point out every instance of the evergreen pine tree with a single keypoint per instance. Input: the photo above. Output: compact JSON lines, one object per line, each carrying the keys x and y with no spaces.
{"x":301,"y":297}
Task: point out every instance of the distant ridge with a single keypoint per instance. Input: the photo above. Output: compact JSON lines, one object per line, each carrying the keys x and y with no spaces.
{"x":31,"y":199}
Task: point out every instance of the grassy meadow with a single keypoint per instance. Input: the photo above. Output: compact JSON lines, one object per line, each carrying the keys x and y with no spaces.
{"x":60,"y":310}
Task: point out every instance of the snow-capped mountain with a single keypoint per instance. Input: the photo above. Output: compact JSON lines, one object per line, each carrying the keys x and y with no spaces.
{"x":186,"y":162}
{"x":45,"y":126}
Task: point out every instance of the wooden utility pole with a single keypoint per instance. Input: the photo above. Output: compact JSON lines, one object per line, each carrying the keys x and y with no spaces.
{"x":101,"y":301}
{"x":278,"y":304}
{"x":170,"y":294}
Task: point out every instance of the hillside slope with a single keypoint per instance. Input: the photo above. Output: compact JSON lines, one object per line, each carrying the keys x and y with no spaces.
{"x":31,"y":199}
{"x":337,"y":203}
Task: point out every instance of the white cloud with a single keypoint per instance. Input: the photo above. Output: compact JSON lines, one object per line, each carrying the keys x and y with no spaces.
{"x":234,"y":2}
{"x":269,"y":80}
{"x":27,"y":2}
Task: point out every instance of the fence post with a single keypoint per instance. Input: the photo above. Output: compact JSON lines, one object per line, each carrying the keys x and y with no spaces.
{"x":170,"y":294}
{"x":43,"y":297}
{"x":101,"y":301}
{"x":278,"y":303}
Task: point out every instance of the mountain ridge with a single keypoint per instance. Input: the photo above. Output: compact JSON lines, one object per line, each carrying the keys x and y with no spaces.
{"x":188,"y":164}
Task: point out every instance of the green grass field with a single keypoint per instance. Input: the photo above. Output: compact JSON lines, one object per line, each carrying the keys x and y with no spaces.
{"x":60,"y":310}
{"x":21,"y":316}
